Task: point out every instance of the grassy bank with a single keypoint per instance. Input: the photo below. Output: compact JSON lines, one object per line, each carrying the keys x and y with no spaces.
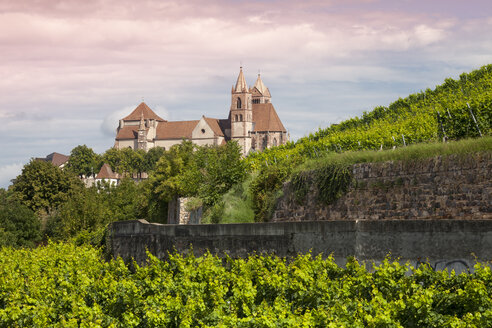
{"x":409,"y":153}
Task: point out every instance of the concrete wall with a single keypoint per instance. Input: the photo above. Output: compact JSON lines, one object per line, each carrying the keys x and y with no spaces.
{"x":437,"y":188}
{"x":450,"y":244}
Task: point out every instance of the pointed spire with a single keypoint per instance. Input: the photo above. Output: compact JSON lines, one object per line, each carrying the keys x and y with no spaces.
{"x":142,"y":122}
{"x":241,"y":85}
{"x":259,"y":85}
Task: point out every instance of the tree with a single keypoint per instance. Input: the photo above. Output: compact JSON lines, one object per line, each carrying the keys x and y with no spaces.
{"x":19,"y":225}
{"x":113,"y":157}
{"x":90,"y":209}
{"x":132,"y":161}
{"x":152,"y":156}
{"x":221,"y":167}
{"x":168,"y":178}
{"x":83,"y":161}
{"x":206,"y":172}
{"x":42,"y":186}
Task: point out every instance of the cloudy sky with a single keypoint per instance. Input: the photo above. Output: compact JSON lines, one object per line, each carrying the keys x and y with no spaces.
{"x":70,"y":69}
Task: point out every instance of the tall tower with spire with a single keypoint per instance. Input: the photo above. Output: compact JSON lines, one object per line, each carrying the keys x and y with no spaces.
{"x":241,"y":113}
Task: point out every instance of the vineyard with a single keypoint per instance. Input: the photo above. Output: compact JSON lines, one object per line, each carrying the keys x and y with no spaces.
{"x":62,"y":285}
{"x":454,"y":110}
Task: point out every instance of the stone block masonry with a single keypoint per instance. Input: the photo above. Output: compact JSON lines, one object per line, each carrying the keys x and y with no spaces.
{"x":453,"y":244}
{"x":452,"y":187}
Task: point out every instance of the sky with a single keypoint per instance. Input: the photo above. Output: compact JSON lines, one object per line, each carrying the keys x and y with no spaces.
{"x":70,"y":69}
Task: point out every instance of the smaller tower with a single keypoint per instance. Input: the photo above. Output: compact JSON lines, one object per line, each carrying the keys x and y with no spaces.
{"x":241,"y":113}
{"x":260,"y":93}
{"x":142,"y":134}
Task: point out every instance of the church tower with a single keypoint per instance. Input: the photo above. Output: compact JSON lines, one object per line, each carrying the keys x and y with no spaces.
{"x":142,"y":134}
{"x":260,"y":93}
{"x":241,"y":113}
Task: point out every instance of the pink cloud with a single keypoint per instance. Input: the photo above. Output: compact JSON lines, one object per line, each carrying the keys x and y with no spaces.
{"x":67,"y":59}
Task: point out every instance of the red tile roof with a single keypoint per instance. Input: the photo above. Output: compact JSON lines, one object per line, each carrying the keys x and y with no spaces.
{"x":127,"y":132}
{"x":106,"y":173}
{"x":214,"y":123}
{"x":148,"y":113}
{"x":266,"y":119}
{"x":175,"y":130}
{"x":57,"y":159}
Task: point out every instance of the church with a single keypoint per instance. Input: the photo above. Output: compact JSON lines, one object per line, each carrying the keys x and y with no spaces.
{"x":252,"y":122}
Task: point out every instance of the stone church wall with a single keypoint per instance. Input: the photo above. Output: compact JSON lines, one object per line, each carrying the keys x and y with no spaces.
{"x":454,"y":187}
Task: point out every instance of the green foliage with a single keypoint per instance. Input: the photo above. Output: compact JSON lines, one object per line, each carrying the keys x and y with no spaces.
{"x":193,"y":204}
{"x":83,"y":161}
{"x":62,"y":285}
{"x":238,"y":204}
{"x":175,"y":173}
{"x":187,"y":170}
{"x":462,"y":148}
{"x":44,"y":187}
{"x":152,"y":157}
{"x":19,"y":225}
{"x":411,"y":120}
{"x":426,"y":117}
{"x":220,"y":168}
{"x":265,"y":189}
{"x":90,"y":209}
{"x":331,"y":180}
{"x":127,"y":162}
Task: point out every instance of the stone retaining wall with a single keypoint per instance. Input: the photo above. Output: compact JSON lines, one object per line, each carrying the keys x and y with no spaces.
{"x":453,"y":187}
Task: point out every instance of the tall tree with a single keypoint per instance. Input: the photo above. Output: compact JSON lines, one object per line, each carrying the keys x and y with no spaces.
{"x":42,"y":186}
{"x":168,"y":178}
{"x":152,"y":156}
{"x":83,"y":161}
{"x":18,"y":224}
{"x":113,"y":157}
{"x":221,"y":168}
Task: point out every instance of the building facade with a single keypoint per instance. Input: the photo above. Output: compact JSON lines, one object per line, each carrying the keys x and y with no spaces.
{"x":253,"y":122}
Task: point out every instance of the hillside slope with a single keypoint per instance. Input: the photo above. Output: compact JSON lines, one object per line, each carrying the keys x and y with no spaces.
{"x":454,"y":110}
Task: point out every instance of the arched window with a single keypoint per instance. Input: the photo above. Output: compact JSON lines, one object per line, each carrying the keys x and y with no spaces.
{"x":274,"y":142}
{"x":238,"y":102}
{"x":236,"y":118}
{"x":253,"y":143}
{"x":240,"y":117}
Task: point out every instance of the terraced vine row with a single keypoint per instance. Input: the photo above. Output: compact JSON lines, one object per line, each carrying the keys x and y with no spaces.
{"x":456,"y":109}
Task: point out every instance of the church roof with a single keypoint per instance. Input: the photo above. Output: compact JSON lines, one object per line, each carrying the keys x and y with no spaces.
{"x":214,"y":124}
{"x":175,"y":130}
{"x":106,"y":173}
{"x":225,"y":124}
{"x":145,"y":111}
{"x":127,"y":132}
{"x":260,"y":86}
{"x":241,"y":85}
{"x":266,"y":119}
